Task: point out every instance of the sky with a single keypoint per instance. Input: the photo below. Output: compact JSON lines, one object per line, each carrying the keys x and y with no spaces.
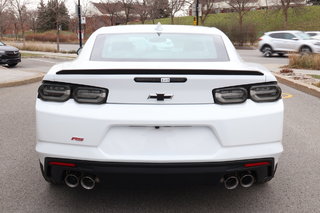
{"x":70,"y":4}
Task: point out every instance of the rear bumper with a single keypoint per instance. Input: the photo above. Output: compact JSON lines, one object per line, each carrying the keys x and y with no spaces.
{"x":159,"y":133}
{"x":56,"y":173}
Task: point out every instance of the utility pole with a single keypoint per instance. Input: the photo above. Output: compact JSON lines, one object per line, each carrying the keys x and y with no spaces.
{"x":80,"y":28}
{"x":197,"y":11}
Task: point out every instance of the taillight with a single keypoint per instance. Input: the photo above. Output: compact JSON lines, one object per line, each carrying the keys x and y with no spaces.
{"x":230,"y":95}
{"x":54,"y":92}
{"x":60,"y":92}
{"x":90,"y":95}
{"x":260,"y":39}
{"x":265,"y":93}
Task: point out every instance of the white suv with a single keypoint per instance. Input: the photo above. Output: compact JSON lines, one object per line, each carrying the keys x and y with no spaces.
{"x":159,"y":99}
{"x":314,"y":34}
{"x":282,"y":42}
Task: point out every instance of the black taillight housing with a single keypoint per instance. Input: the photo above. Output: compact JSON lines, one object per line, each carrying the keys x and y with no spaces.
{"x":61,"y":92}
{"x":265,"y":92}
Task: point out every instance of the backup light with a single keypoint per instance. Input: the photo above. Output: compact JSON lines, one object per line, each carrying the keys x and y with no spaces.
{"x":230,"y":95}
{"x":54,"y":92}
{"x":90,"y":95}
{"x":265,"y":93}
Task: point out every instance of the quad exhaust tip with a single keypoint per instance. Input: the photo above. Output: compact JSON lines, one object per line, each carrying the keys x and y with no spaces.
{"x":231,"y":182}
{"x":247,"y":180}
{"x":88,"y":182}
{"x":71,"y":180}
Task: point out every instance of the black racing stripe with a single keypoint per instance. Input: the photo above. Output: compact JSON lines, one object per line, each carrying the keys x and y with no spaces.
{"x":156,"y":72}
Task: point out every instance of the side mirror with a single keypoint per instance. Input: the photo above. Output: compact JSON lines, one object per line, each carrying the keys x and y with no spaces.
{"x":79,"y":51}
{"x":295,"y":39}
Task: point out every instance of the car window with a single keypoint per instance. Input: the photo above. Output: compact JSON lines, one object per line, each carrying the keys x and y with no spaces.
{"x":159,"y":47}
{"x":288,"y":36}
{"x":312,"y":34}
{"x":276,"y":35}
{"x":1,"y":44}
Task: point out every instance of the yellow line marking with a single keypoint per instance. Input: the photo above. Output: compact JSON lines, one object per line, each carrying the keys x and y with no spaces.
{"x":286,"y":95}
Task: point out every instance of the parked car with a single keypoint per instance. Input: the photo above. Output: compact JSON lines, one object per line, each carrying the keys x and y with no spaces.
{"x":314,"y":34}
{"x":9,"y":55}
{"x":159,"y":99}
{"x":281,"y":42}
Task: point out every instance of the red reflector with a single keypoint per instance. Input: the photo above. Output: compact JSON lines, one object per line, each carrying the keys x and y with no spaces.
{"x":256,"y":164}
{"x":62,"y":164}
{"x":259,"y":39}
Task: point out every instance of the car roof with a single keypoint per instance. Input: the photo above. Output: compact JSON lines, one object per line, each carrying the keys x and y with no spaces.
{"x":159,"y":28}
{"x":283,"y":31}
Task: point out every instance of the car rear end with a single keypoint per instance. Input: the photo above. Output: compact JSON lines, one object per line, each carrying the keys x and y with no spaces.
{"x":185,"y":116}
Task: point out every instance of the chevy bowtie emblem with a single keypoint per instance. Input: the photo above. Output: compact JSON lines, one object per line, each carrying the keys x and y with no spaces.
{"x":160,"y":96}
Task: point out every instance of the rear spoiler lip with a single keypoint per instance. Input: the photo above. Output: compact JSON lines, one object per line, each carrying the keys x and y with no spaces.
{"x":157,"y":72}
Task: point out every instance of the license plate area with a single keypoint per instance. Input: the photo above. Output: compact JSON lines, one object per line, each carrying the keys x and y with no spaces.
{"x":157,"y":142}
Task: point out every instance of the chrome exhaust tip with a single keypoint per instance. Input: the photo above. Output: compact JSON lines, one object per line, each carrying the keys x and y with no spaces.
{"x":71,"y":180}
{"x":247,"y":180}
{"x":231,"y":182}
{"x":88,"y":182}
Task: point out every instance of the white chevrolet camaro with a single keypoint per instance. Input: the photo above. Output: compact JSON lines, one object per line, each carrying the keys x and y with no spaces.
{"x":159,"y":99}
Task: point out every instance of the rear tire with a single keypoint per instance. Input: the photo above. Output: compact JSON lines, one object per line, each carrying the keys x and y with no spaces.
{"x":267,"y":51}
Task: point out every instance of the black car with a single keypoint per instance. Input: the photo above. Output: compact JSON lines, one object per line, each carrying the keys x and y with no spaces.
{"x":9,"y":55}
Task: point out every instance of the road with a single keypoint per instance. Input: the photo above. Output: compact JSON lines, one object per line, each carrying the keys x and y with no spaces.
{"x":38,"y":64}
{"x":295,"y":187}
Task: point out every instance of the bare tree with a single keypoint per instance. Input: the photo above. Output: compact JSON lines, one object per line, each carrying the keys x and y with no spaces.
{"x":157,"y":9}
{"x":285,"y":5}
{"x":110,"y":9}
{"x":32,"y":20}
{"x":127,"y":5}
{"x":175,"y":6}
{"x":142,"y":9}
{"x":242,"y":7}
{"x":207,"y":7}
{"x":3,"y":6}
{"x":85,"y":7}
{"x":19,"y":8}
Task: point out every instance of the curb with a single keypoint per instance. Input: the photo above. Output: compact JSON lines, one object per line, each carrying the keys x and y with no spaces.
{"x":37,"y":78}
{"x":307,"y":88}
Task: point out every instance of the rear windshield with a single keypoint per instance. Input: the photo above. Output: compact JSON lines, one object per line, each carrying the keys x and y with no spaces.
{"x":159,"y":47}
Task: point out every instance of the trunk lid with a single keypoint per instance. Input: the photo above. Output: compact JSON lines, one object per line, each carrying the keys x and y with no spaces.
{"x":162,"y":84}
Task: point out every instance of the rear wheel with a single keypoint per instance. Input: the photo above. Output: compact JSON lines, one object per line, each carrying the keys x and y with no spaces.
{"x":267,"y":51}
{"x":305,"y":50}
